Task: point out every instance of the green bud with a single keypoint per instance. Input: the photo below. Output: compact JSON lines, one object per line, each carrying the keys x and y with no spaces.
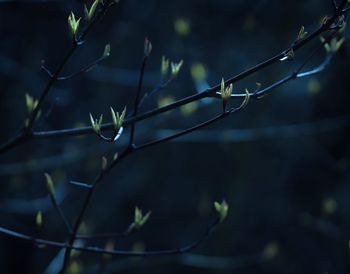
{"x":49,"y":184}
{"x":139,"y":218}
{"x":175,"y":68}
{"x":226,"y":92}
{"x":164,"y":68}
{"x":118,"y":119}
{"x":121,"y":117}
{"x":39,"y":219}
{"x":334,"y":45}
{"x":96,"y":125}
{"x":258,"y":85}
{"x":115,"y":156}
{"x":31,"y":104}
{"x":73,"y":24}
{"x":114,"y":118}
{"x":107,"y":51}
{"x":302,"y":33}
{"x":221,"y":209}
{"x":104,"y":163}
{"x":92,"y":10}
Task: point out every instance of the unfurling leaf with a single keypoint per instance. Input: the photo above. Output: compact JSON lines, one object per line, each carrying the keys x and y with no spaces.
{"x":118,"y":119}
{"x":164,"y":68}
{"x":73,"y":25}
{"x":221,"y":209}
{"x":226,"y":92}
{"x":107,"y":51}
{"x":302,"y":34}
{"x":334,"y":45}
{"x":92,"y":10}
{"x":139,"y":218}
{"x":31,"y":104}
{"x":96,"y":124}
{"x":176,"y":67}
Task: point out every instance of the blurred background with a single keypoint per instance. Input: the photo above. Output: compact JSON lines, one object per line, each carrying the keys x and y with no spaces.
{"x":282,"y":164}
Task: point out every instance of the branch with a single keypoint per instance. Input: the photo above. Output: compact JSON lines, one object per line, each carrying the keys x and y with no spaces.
{"x":211,"y":92}
{"x":138,"y":94}
{"x":26,"y":132}
{"x":81,"y":71}
{"x":108,"y":126}
{"x":93,"y":249}
{"x":60,"y":212}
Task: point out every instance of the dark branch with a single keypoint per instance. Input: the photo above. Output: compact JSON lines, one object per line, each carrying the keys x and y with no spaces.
{"x":210,"y":229}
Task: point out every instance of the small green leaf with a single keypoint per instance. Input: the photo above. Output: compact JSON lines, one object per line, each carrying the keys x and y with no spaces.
{"x":118,"y":119}
{"x":31,"y":104}
{"x":302,"y":33}
{"x":221,"y":209}
{"x":96,"y":125}
{"x":39,"y":219}
{"x":104,"y":163}
{"x":176,"y":67}
{"x":115,"y":156}
{"x":114,"y":118}
{"x":92,"y":9}
{"x":92,"y":121}
{"x":122,"y":117}
{"x":73,"y":24}
{"x":49,"y":184}
{"x":164,"y":68}
{"x":139,"y":218}
{"x":334,"y":45}
{"x":107,"y":51}
{"x":226,"y":92}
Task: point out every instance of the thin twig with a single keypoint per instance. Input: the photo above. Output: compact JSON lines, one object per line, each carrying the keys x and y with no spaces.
{"x":210,"y":229}
{"x":137,"y":100}
{"x":81,"y":71}
{"x":60,"y":212}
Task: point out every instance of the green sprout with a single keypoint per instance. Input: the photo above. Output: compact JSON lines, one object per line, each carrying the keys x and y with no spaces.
{"x":89,"y":14}
{"x":334,"y":45}
{"x":107,"y":51}
{"x":176,"y":67}
{"x":49,"y":184}
{"x":73,"y":24}
{"x":246,"y":99}
{"x":302,"y":34}
{"x":226,"y":92}
{"x":118,"y":119}
{"x":96,"y":124}
{"x":221,"y":209}
{"x":104,"y":163}
{"x":164,"y":68}
{"x":139,"y":218}
{"x":31,"y":104}
{"x":39,"y":219}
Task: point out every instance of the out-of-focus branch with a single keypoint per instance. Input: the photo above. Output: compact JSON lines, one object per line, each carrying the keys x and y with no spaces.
{"x":94,"y":249}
